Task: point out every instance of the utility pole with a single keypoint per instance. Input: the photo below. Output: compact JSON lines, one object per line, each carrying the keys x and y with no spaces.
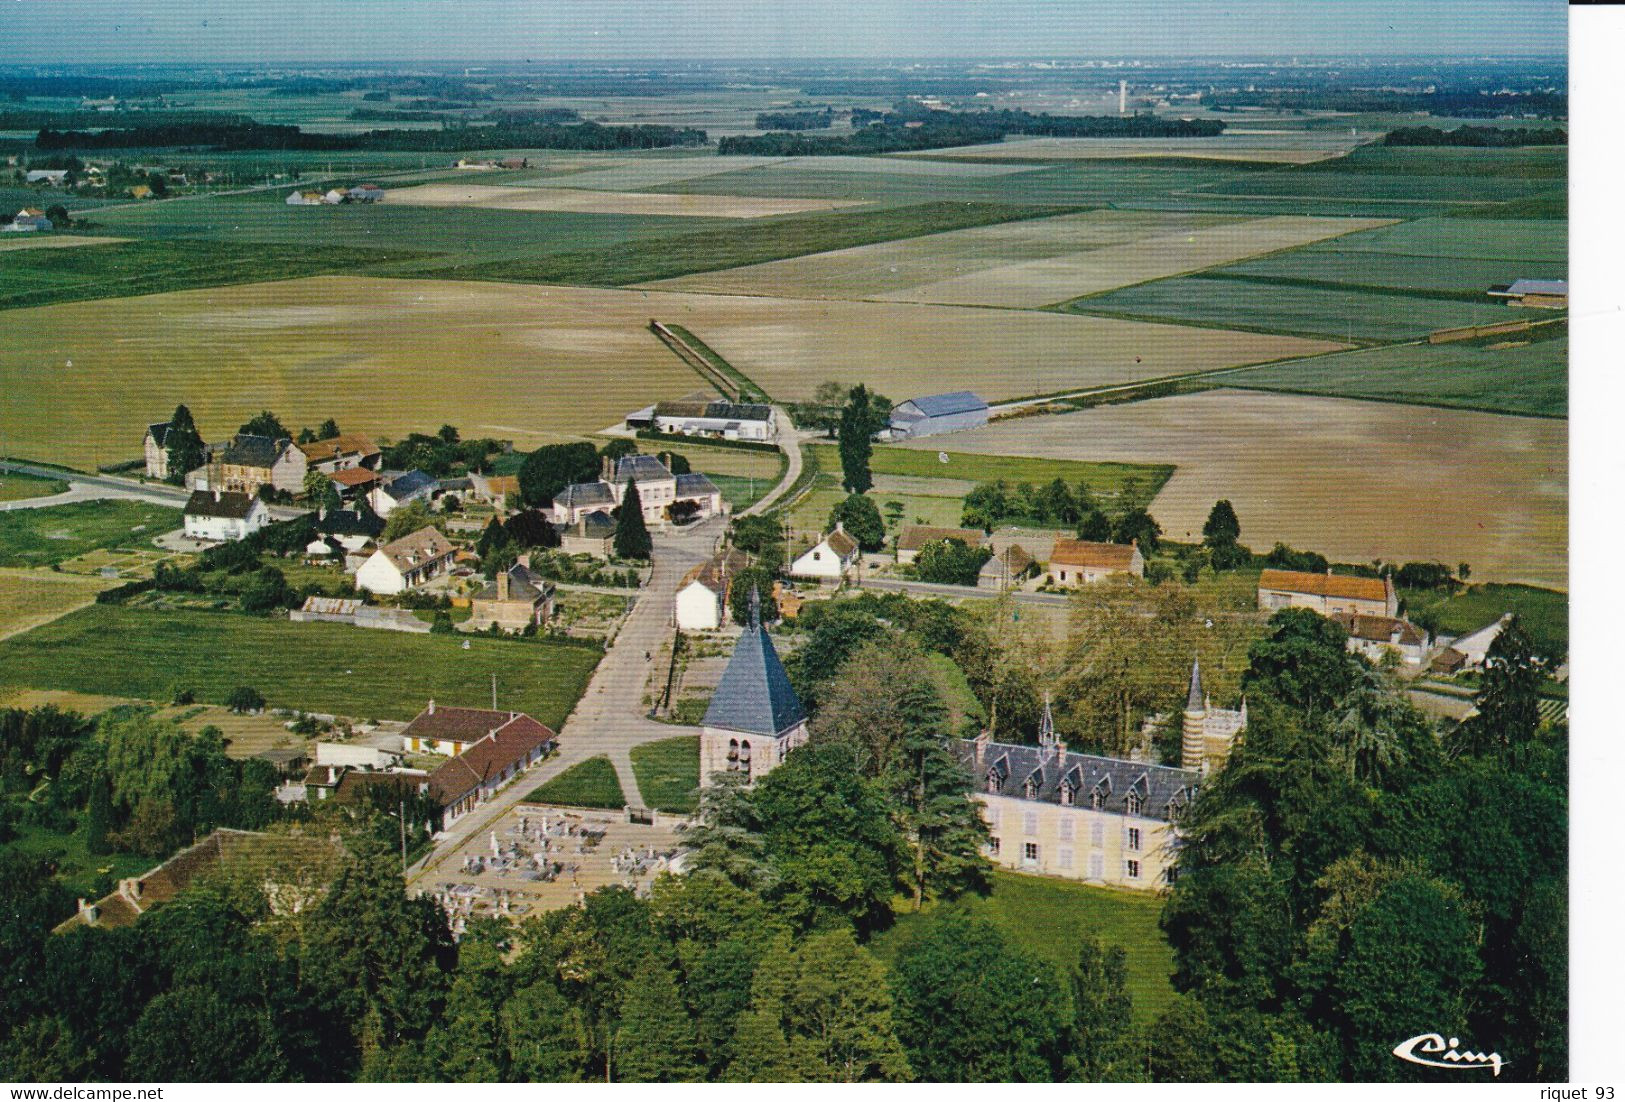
{"x":493,"y":690}
{"x":403,"y":835}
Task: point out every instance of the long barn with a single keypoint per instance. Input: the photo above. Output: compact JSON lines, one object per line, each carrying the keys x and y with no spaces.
{"x":938,"y":413}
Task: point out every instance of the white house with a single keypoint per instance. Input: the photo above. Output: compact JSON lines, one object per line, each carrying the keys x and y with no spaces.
{"x":1373,"y":636}
{"x":658,"y":489}
{"x":829,"y":559}
{"x":406,"y":563}
{"x":403,"y":489}
{"x":701,"y":603}
{"x":304,"y":199}
{"x":28,"y":220}
{"x":708,"y":417}
{"x":223,"y":515}
{"x":53,"y":176}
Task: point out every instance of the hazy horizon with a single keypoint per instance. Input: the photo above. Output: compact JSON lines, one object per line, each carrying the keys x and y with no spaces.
{"x":314,"y":32}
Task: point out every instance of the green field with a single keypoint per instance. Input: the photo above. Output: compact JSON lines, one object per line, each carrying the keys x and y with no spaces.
{"x":1330,"y":313}
{"x":1536,"y":240}
{"x":1544,"y":612}
{"x":1531,"y":379}
{"x":760,"y":240}
{"x":37,"y":277}
{"x":43,"y":537}
{"x":20,"y":487}
{"x":83,"y":873}
{"x":1048,"y":917}
{"x":316,"y":667}
{"x":668,"y":773}
{"x":1456,"y":278}
{"x":1102,"y":478}
{"x":591,"y":783}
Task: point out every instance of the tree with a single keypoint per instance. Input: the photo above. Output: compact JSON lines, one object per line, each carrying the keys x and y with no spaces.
{"x":58,"y":215}
{"x":656,"y":1042}
{"x":315,"y":485}
{"x":183,"y":445}
{"x":1179,"y":1046}
{"x":267,"y":590}
{"x":414,"y":516}
{"x":265,"y":423}
{"x":1094,"y":525}
{"x":1102,"y":1046}
{"x":530,"y":528}
{"x":632,"y":539}
{"x":159,"y":183}
{"x":676,"y":462}
{"x":1508,"y":699}
{"x":551,"y":467}
{"x":448,"y":434}
{"x":860,"y":420}
{"x":824,"y":411}
{"x":329,"y":429}
{"x":1221,"y":535}
{"x":619,"y":449}
{"x":1137,"y":526}
{"x":192,"y":1034}
{"x":244,"y":699}
{"x":543,"y":1036}
{"x":861,"y":520}
{"x":973,"y":1008}
{"x":950,"y":562}
{"x":752,"y":579}
{"x":1304,"y":662}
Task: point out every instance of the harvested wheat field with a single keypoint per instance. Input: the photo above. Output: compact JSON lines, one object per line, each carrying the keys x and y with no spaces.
{"x":1353,"y":480}
{"x":29,"y":598}
{"x":1026,"y":264}
{"x":16,"y":242}
{"x":525,"y":362}
{"x":1285,"y":147}
{"x":581,"y":201}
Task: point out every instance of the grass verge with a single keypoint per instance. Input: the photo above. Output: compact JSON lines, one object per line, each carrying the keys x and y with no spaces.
{"x":668,"y":773}
{"x":592,"y":783}
{"x":45,"y":537}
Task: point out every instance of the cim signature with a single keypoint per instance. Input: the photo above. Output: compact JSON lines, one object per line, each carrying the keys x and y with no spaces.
{"x":1446,"y":1054}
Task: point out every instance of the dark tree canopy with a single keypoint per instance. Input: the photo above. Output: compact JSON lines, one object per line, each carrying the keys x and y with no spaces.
{"x":860,"y":518}
{"x":552,"y":467}
{"x":266,"y":423}
{"x":632,"y":539}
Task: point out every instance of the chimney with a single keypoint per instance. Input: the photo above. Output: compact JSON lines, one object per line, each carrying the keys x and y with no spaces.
{"x":523,"y":560}
{"x":502,"y":585}
{"x":217,"y":493}
{"x":608,"y":474}
{"x":431,"y":705}
{"x":982,"y":741}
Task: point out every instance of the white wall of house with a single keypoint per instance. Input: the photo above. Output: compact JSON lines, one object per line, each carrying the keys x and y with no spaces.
{"x":379,"y":575}
{"x":698,"y":607}
{"x":1078,"y":843}
{"x":821,"y":562}
{"x":226,"y":529}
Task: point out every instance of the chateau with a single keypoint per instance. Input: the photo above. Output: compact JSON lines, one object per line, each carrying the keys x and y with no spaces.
{"x":658,"y":489}
{"x":1207,"y":733}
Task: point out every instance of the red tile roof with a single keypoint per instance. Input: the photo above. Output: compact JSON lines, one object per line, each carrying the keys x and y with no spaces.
{"x":354,"y":476}
{"x":1103,"y":556}
{"x":508,"y":745}
{"x":1324,"y":585}
{"x":916,"y":536}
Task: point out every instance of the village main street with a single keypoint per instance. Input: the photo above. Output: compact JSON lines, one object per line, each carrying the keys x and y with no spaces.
{"x":611,"y":717}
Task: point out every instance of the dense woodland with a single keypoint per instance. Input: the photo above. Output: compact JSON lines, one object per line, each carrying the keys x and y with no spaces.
{"x":1476,"y":137}
{"x":914,"y":129}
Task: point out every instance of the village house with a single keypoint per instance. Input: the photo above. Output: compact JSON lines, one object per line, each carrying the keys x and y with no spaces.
{"x":439,"y":729}
{"x":913,"y":537}
{"x":248,"y":462}
{"x":478,"y":772}
{"x":350,"y":529}
{"x":660,"y":491}
{"x":829,"y":559}
{"x":514,"y":600}
{"x":1100,"y":820}
{"x":701,"y":603}
{"x":365,"y":193}
{"x":155,"y":448}
{"x":403,"y":489}
{"x":355,"y":483}
{"x":1327,"y":593}
{"x":51,"y":176}
{"x":593,"y":534}
{"x":494,"y":489}
{"x":406,"y":563}
{"x":1081,"y":562}
{"x":1006,"y":570}
{"x":223,"y":516}
{"x":28,"y":220}
{"x":754,"y":718}
{"x":1374,"y":636}
{"x":347,"y":451}
{"x":1467,"y":652}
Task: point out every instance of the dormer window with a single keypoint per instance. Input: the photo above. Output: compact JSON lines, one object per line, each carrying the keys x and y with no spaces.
{"x":1097,"y":799}
{"x":1133,"y":802}
{"x":1069,"y":795}
{"x":993,"y":782}
{"x":1029,"y":789}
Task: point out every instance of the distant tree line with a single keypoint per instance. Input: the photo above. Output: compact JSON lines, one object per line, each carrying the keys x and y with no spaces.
{"x":1477,"y":137}
{"x":893,"y":132}
{"x":794,"y":120}
{"x":1448,"y":104}
{"x":237,"y":136}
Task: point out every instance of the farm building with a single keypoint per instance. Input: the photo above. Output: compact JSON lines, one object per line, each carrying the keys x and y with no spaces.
{"x":938,"y":413}
{"x":829,"y":559}
{"x":1373,"y":636}
{"x":703,"y":417}
{"x":754,"y":718}
{"x":401,"y":490}
{"x":915,"y":536}
{"x":304,"y":199}
{"x":1551,"y":294}
{"x":1006,"y":570}
{"x":366,"y":193}
{"x":701,"y":603}
{"x":53,"y":176}
{"x":407,"y":563}
{"x":1080,"y":562}
{"x":1327,"y":593}
{"x":355,"y":483}
{"x":344,"y":452}
{"x":514,"y":600}
{"x":28,"y":220}
{"x":512,"y":743}
{"x":1469,"y":651}
{"x":223,"y":516}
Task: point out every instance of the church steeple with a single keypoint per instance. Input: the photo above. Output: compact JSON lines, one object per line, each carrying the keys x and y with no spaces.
{"x":1046,"y":725}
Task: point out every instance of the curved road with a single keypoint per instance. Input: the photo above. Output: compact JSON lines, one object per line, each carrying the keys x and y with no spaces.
{"x":791,"y":443}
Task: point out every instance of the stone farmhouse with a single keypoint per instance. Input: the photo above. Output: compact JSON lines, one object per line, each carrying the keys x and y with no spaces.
{"x":514,"y":600}
{"x":1006,"y":570}
{"x":593,"y":534}
{"x":1327,"y":593}
{"x":829,"y":559}
{"x":754,"y":718}
{"x":247,"y":462}
{"x":155,"y":448}
{"x":406,"y":563}
{"x":1374,"y":636}
{"x":1081,"y":562}
{"x":347,"y":451}
{"x":658,"y":489}
{"x":482,"y":769}
{"x":913,"y":537}
{"x":223,"y":516}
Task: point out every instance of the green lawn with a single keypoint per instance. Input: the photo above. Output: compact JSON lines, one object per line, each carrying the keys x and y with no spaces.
{"x":1530,"y":379}
{"x":43,"y":537}
{"x":36,"y":277}
{"x":668,"y":773}
{"x":1544,"y":612}
{"x":1048,"y":917}
{"x":317,"y":667}
{"x":1101,"y":478}
{"x":590,"y":784}
{"x":83,"y":873}
{"x":754,"y":242}
{"x":19,"y":487}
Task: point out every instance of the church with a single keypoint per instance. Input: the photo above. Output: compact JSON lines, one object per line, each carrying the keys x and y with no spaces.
{"x":755,"y":717}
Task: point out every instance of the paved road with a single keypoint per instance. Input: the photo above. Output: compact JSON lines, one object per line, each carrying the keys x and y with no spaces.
{"x":87,"y":485}
{"x":611,"y":717}
{"x":790,"y":441}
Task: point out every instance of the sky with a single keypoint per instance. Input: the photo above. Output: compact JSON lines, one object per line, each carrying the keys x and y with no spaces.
{"x":280,"y":31}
